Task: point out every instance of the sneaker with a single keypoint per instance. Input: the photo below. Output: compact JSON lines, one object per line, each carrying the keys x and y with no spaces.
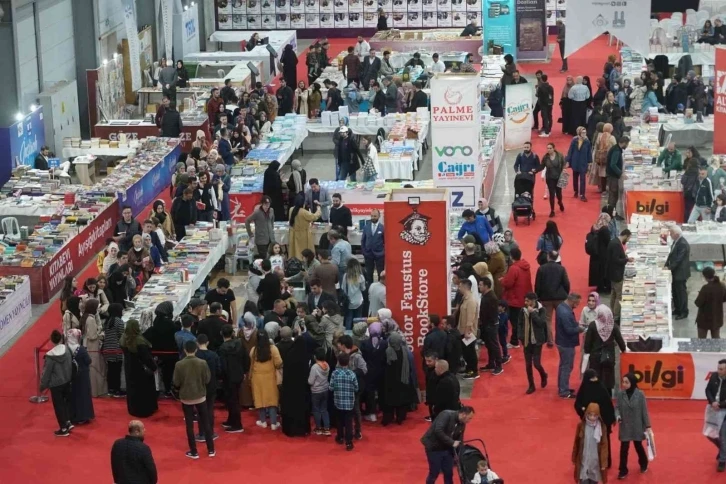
{"x":544,"y":135}
{"x":339,"y":440}
{"x":199,"y":438}
{"x":349,"y":447}
{"x":225,"y":425}
{"x":358,"y":435}
{"x":62,"y":433}
{"x":510,"y":345}
{"x":318,"y":431}
{"x":192,"y":455}
{"x":233,"y":430}
{"x":644,"y":469}
{"x":212,"y":453}
{"x":552,"y":213}
{"x":544,"y":381}
{"x":371,"y":418}
{"x":471,"y":376}
{"x":530,"y":390}
{"x":545,"y":196}
{"x":576,"y":195}
{"x":262,"y":424}
{"x":498,"y":372}
{"x":622,"y":475}
{"x":275,"y":426}
{"x":567,"y":395}
{"x":326,"y":432}
{"x":427,"y":418}
{"x":562,"y":207}
{"x":721,"y":467}
{"x":583,"y":198}
{"x":507,"y":359}
{"x":486,"y":368}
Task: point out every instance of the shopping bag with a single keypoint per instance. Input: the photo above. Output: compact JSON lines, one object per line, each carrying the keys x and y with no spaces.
{"x":650,"y":444}
{"x":713,"y":419}
{"x":564,"y":179}
{"x":585,"y":362}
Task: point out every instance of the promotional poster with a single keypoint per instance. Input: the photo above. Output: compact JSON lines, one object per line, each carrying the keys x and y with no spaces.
{"x":518,"y":120}
{"x":531,"y":25}
{"x":499,"y":26}
{"x":20,"y":143}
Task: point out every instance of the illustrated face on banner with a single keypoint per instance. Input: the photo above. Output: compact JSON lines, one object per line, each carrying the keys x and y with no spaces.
{"x":416,"y":229}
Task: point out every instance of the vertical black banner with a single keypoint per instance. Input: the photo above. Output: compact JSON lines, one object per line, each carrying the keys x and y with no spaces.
{"x":531,"y":25}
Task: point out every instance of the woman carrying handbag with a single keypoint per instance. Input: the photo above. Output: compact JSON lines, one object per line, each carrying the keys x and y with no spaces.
{"x":556,"y":177}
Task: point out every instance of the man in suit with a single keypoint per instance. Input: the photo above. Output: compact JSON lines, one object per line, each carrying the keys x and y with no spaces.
{"x":317,"y":297}
{"x":171,"y":123}
{"x":371,"y":67}
{"x":41,"y":161}
{"x":420,"y":99}
{"x":320,"y":194}
{"x":616,"y":260}
{"x":679,"y":264}
{"x":372,"y":245}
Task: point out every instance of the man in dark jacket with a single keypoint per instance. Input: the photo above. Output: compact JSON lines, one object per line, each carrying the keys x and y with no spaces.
{"x":41,"y":161}
{"x":183,"y":212}
{"x":453,"y":344}
{"x":317,"y":297}
{"x":57,"y":374}
{"x":616,"y":260}
{"x":131,"y":459}
{"x":285,"y":98}
{"x":704,"y":198}
{"x":351,"y":66}
{"x":171,"y":123}
{"x":527,"y":161}
{"x":228,"y":94}
{"x":211,"y":326}
{"x":349,"y":155}
{"x":436,"y":339}
{"x":709,"y":302}
{"x":546,"y":99}
{"x":370,"y":69}
{"x":552,"y":287}
{"x":716,"y":396}
{"x":334,"y":99}
{"x":390,"y":92}
{"x":269,"y":287}
{"x":212,"y":360}
{"x":420,"y":99}
{"x":568,"y":338}
{"x":441,"y":440}
{"x":679,"y":263}
{"x":340,"y":215}
{"x":532,"y":332}
{"x":235,"y":364}
{"x":489,"y":326}
{"x":614,"y":169}
{"x":126,"y":228}
{"x":429,"y":366}
{"x":447,"y":390}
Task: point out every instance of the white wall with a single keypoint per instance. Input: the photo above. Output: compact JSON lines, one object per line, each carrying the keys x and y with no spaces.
{"x":57,"y":54}
{"x":27,"y":59}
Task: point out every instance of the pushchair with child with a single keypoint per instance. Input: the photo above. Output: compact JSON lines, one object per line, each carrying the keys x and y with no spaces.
{"x":467,"y":458}
{"x":523,"y":205}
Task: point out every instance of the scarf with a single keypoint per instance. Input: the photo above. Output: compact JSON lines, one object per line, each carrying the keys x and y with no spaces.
{"x":604,"y":321}
{"x":602,"y":221}
{"x":165,"y":309}
{"x":482,"y":268}
{"x":161,"y":216}
{"x":568,"y":85}
{"x":374,"y":331}
{"x":633,"y":384}
{"x":73,"y":338}
{"x":297,"y":179}
{"x":395,"y":343}
{"x":132,"y":338}
{"x":110,"y":259}
{"x":597,"y":424}
{"x":146,"y":319}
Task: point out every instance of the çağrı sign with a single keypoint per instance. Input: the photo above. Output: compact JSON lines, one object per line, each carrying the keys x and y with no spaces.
{"x":455,"y":138}
{"x":518,"y":115}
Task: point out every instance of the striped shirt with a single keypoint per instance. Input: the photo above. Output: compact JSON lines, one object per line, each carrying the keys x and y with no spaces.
{"x":344,"y":385}
{"x":579,"y":92}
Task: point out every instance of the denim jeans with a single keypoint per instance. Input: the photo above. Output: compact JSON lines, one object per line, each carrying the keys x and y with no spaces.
{"x":320,"y":410}
{"x":440,"y":461}
{"x":351,"y":314}
{"x":699,"y":212}
{"x":578,"y":182}
{"x":345,"y":170}
{"x":503,"y":328}
{"x":263,"y":414}
{"x":345,"y":426}
{"x":567,"y":360}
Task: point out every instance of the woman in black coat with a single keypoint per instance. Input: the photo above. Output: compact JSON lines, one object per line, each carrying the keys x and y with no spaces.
{"x":373,"y":350}
{"x":206,"y":193}
{"x":272,"y":187}
{"x":288,"y":59}
{"x":139,"y":368}
{"x":596,"y":247}
{"x":600,"y":339}
{"x":81,"y":400}
{"x":117,"y":284}
{"x":161,"y":336}
{"x":398,"y":393}
{"x":592,"y":391}
{"x":113,"y":329}
{"x":295,"y":396}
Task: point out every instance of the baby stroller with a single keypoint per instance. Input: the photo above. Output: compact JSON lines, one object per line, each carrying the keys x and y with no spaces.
{"x":522,"y":206}
{"x":467,"y":457}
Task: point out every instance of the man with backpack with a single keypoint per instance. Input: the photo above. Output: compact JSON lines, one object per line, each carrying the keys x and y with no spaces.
{"x":546,"y":99}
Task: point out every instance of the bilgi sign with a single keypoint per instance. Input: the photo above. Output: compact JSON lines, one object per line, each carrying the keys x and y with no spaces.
{"x":455,"y":135}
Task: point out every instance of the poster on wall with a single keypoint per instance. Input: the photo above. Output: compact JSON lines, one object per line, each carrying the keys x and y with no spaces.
{"x":414,"y":5}
{"x":21,"y":142}
{"x":458,"y":6}
{"x":253,"y":7}
{"x":355,"y":20}
{"x":386,"y":5}
{"x":518,"y":120}
{"x":444,"y":6}
{"x":355,"y":6}
{"x":399,"y":5}
{"x":414,"y":19}
{"x":458,"y":19}
{"x":283,"y":21}
{"x":312,"y":21}
{"x":312,"y":6}
{"x":326,"y":6}
{"x":399,"y":20}
{"x":239,"y":22}
{"x":428,"y":5}
{"x":268,"y":6}
{"x":719,"y":103}
{"x":326,"y":21}
{"x":297,"y":6}
{"x":370,"y":6}
{"x":499,"y":25}
{"x":268,"y":21}
{"x":429,"y":19}
{"x":473,"y":6}
{"x":297,"y":21}
{"x":239,"y":7}
{"x":341,"y":20}
{"x":370,"y":19}
{"x":476,"y":16}
{"x":340,"y":6}
{"x":443,"y":19}
{"x":626,"y":20}
{"x":531,"y":25}
{"x":282,"y":6}
{"x":254,"y":21}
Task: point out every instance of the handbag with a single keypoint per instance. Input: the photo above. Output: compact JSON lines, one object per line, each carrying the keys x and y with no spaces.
{"x":564,"y":179}
{"x":607,"y":357}
{"x":712,"y":421}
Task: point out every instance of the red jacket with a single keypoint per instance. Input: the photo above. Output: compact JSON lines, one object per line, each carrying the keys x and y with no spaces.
{"x":517,"y":282}
{"x":213,"y":110}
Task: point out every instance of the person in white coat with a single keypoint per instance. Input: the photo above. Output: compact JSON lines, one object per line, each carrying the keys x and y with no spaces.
{"x":371,"y":166}
{"x":361,"y":48}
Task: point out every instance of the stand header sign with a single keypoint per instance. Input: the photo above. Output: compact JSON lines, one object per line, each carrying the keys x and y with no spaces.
{"x":499,"y":25}
{"x":628,"y":20}
{"x":719,"y":103}
{"x":455,"y":130}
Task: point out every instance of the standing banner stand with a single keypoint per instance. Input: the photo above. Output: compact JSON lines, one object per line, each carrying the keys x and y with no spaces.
{"x":455,"y":130}
{"x":532,"y":30}
{"x":417,"y":262}
{"x":719,"y":103}
{"x":518,"y":120}
{"x":628,"y":21}
{"x":499,"y":26}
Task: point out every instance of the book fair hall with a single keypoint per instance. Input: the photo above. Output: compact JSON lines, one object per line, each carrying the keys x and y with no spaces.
{"x":345,"y":239}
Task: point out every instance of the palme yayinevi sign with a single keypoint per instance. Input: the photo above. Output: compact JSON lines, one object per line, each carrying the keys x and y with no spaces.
{"x":455,"y":138}
{"x":628,"y":20}
{"x":518,"y":118}
{"x":15,"y":312}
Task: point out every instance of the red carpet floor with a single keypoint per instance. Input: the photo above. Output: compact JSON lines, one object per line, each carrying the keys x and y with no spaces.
{"x":529,"y":437}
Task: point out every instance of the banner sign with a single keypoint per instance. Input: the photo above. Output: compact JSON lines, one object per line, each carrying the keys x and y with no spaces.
{"x":148,"y":187}
{"x":455,"y":130}
{"x":15,"y":312}
{"x":499,"y":25}
{"x":417,"y":264}
{"x":661,"y":205}
{"x":531,"y":25}
{"x":628,"y":20}
{"x":518,"y":118}
{"x":671,"y":375}
{"x":166,"y":10}
{"x":132,"y":35}
{"x":719,"y":103}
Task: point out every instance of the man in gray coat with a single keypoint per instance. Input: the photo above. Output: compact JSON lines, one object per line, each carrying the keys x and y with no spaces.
{"x":57,"y":374}
{"x":679,"y":263}
{"x":167,"y":80}
{"x":264,"y":219}
{"x":319,"y":194}
{"x":390,"y":92}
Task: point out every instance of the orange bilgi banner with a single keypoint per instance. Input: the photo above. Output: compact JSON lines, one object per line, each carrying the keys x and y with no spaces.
{"x":661,"y":375}
{"x":719,"y":103}
{"x":662,"y":205}
{"x":417,"y":268}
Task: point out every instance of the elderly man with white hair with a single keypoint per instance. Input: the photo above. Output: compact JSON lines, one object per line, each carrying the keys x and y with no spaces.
{"x":377,"y":295}
{"x":679,"y":264}
{"x":579,"y":94}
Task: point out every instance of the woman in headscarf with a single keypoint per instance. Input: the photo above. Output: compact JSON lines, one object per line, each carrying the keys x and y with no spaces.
{"x":388,"y":325}
{"x":507,"y":244}
{"x":636,"y":97}
{"x":91,"y":290}
{"x":497,"y":265}
{"x":113,"y":328}
{"x":589,"y":313}
{"x":285,"y":342}
{"x":222,"y":182}
{"x":295,"y":398}
{"x":593,"y":175}
{"x":359,"y":333}
{"x":604,"y":143}
{"x":265,"y":362}
{"x":482,"y":272}
{"x":301,"y":235}
{"x":179,"y":170}
{"x":182,"y":77}
{"x":120,"y":284}
{"x":301,"y":99}
{"x":72,"y":315}
{"x":159,"y":212}
{"x":586,"y":82}
{"x":161,"y":336}
{"x":596,"y":246}
{"x":139,"y":368}
{"x":296,"y":182}
{"x":70,"y":284}
{"x":600,"y":94}
{"x":508,"y":70}
{"x":248,"y":337}
{"x":272,"y":187}
{"x":632,"y":414}
{"x":272,"y":328}
{"x":81,"y":401}
{"x":137,"y":254}
{"x":373,"y":350}
{"x":398,"y":393}
{"x":111,"y":257}
{"x":92,"y":330}
{"x":600,"y":339}
{"x":314,"y":99}
{"x":288,"y":59}
{"x":590,"y":450}
{"x":566,"y":105}
{"x":592,"y":391}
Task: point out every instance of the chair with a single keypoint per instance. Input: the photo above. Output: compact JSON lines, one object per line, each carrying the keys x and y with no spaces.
{"x":678,"y":17}
{"x":11,"y":228}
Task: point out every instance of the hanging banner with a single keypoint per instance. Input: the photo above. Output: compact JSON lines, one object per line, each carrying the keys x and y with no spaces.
{"x":518,"y":118}
{"x":15,"y":311}
{"x":531,"y":25}
{"x":417,"y":264}
{"x":455,"y":130}
{"x":129,"y":8}
{"x":166,"y":11}
{"x":20,"y":143}
{"x":499,"y":27}
{"x":719,"y":103}
{"x":627,"y":20}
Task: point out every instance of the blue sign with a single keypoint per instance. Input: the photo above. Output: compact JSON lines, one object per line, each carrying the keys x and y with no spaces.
{"x":54,"y":163}
{"x":20,"y":143}
{"x":147,"y":189}
{"x":499,"y":25}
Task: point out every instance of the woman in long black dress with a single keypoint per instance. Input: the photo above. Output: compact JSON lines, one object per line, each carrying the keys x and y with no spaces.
{"x":398,"y":393}
{"x":139,"y":368}
{"x":295,"y":398}
{"x":592,"y":391}
{"x":566,"y":105}
{"x":596,"y":247}
{"x":600,"y":339}
{"x":81,"y":400}
{"x":272,"y":187}
{"x":113,"y":329}
{"x":288,"y":59}
{"x":161,"y":337}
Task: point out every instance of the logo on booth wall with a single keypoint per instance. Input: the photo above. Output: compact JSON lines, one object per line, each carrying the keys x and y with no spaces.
{"x":664,"y":375}
{"x":652,"y":208}
{"x":453,"y":150}
{"x":518,"y":114}
{"x":416,"y":229}
{"x":453,"y":96}
{"x":446,"y":170}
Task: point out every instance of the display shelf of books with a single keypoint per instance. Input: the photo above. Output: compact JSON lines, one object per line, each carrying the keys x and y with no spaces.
{"x":111,"y":91}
